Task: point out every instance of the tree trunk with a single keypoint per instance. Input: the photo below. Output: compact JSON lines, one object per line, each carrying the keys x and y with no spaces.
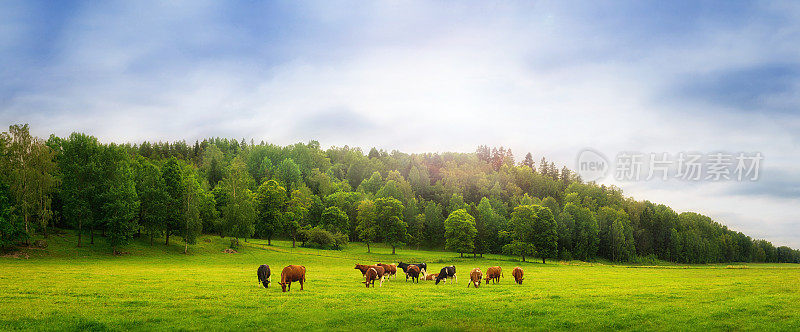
{"x":462,"y":254}
{"x":523,"y":258}
{"x":166,"y":242}
{"x":91,"y":235}
{"x":393,"y":250}
{"x":28,"y":237}
{"x":185,"y":247}
{"x":542,"y":260}
{"x":269,"y":240}
{"x":367,"y":247}
{"x":79,"y":233}
{"x":151,"y":239}
{"x":293,"y":238}
{"x":103,"y":232}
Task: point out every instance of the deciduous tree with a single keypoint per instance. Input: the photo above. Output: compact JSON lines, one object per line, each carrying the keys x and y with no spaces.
{"x":534,"y":225}
{"x":31,"y":168}
{"x":79,"y":164}
{"x":153,"y":198}
{"x":271,"y":200}
{"x":460,"y":232}
{"x":367,"y":225}
{"x":389,"y":214}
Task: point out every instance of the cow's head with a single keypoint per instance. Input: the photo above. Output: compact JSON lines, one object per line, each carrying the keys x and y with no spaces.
{"x":283,"y":286}
{"x":520,"y":280}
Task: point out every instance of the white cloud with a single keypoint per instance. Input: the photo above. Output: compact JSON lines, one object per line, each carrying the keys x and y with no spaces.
{"x":416,"y":77}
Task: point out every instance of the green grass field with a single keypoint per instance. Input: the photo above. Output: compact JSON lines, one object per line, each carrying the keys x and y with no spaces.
{"x":159,"y":288}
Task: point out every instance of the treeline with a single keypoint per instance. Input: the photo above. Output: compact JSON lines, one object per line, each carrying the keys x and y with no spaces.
{"x":472,"y":203}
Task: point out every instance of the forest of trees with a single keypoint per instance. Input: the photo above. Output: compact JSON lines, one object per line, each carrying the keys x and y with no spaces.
{"x":470,"y":203}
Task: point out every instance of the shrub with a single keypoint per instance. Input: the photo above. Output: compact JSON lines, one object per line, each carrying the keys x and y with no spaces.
{"x":323,"y":239}
{"x":320,"y":237}
{"x":650,"y":259}
{"x":303,"y":235}
{"x":339,"y":240}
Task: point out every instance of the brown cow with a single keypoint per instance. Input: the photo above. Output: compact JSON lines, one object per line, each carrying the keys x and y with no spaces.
{"x":371,"y":276}
{"x":390,"y":269}
{"x":413,"y":272}
{"x":292,"y":273}
{"x":431,"y":277}
{"x":518,"y":275}
{"x":364,"y":268}
{"x":475,"y":277}
{"x":494,"y":273}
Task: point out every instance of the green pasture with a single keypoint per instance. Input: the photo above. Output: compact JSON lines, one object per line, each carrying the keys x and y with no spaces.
{"x":160,"y":288}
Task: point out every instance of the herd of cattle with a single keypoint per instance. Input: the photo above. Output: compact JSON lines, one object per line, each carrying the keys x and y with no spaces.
{"x":379,"y":272}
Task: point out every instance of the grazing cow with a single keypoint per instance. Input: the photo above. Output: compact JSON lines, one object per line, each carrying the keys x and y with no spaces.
{"x":390,"y":270}
{"x":264,"y":275}
{"x":431,"y":276}
{"x":292,"y":273}
{"x":518,"y":275}
{"x":413,"y":272}
{"x":475,"y":277}
{"x":423,"y":268}
{"x":494,"y":273}
{"x":446,"y":273}
{"x":371,"y":276}
{"x":364,"y":268}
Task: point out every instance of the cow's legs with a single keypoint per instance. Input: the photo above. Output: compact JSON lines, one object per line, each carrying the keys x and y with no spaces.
{"x":301,"y":285}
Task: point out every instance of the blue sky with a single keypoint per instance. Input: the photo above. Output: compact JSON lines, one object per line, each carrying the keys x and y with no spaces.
{"x":549,"y":77}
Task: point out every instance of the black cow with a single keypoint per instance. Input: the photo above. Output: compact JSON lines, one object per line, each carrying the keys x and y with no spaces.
{"x":423,"y":268}
{"x":447,"y":272}
{"x":263,"y":275}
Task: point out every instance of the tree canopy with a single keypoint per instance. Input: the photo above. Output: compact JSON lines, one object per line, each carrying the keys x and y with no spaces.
{"x":242,"y":189}
{"x":460,"y":232}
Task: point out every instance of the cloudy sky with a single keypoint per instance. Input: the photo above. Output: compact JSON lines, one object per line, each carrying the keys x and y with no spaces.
{"x":550,"y":77}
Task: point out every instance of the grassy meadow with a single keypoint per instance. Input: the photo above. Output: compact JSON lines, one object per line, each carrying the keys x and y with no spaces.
{"x":160,"y":288}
